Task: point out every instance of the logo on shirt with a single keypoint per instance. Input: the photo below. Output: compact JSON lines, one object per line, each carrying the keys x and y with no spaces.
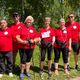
{"x":74,"y":27}
{"x":64,"y":31}
{"x":31,"y":31}
{"x":5,"y":33}
{"x":46,"y":34}
{"x":19,"y":27}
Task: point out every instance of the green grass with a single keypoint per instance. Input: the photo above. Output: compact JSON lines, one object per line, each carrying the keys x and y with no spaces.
{"x":35,"y":69}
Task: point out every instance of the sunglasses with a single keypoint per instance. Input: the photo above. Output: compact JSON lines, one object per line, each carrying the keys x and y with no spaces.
{"x":15,"y":16}
{"x":70,"y":16}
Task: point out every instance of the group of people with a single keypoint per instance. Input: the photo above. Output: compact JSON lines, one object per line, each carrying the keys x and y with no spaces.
{"x":23,"y":37}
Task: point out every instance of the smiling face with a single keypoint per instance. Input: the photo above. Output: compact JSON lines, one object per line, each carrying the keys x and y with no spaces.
{"x":71,"y":18}
{"x":28,"y":22}
{"x":16,"y":18}
{"x":62,"y":23}
{"x":47,"y":22}
{"x":3,"y":24}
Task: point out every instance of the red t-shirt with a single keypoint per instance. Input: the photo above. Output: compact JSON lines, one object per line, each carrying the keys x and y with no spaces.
{"x":47,"y":34}
{"x":5,"y":40}
{"x":74,"y":29}
{"x":27,"y":33}
{"x":63,"y":36}
{"x":15,"y":28}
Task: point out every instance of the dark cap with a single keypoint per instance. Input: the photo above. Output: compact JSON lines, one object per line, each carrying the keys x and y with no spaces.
{"x":15,"y":14}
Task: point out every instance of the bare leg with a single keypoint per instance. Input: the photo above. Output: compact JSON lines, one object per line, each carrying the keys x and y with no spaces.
{"x":56,"y":68}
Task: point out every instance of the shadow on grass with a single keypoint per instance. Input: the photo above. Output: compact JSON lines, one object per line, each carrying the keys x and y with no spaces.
{"x":35,"y":69}
{"x":16,"y":70}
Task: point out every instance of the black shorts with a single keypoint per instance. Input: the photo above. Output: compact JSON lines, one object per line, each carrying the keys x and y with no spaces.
{"x":78,"y":49}
{"x":57,"y":52}
{"x":43,"y":53}
{"x":25,"y":55}
{"x":75,"y":46}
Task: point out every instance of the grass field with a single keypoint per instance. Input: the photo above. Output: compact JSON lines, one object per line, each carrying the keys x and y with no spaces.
{"x":35,"y":69}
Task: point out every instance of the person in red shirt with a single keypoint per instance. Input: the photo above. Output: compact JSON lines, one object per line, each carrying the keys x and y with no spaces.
{"x":16,"y":26}
{"x":47,"y":37}
{"x":26,"y":42}
{"x":5,"y":48}
{"x":74,"y":28}
{"x":62,"y":44}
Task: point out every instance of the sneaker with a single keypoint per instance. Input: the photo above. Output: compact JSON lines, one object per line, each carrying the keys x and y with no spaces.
{"x":49,"y":72}
{"x":21,"y":76}
{"x":56,"y":72}
{"x":11,"y":74}
{"x":77,"y":67}
{"x":28,"y":74}
{"x":41,"y":72}
{"x":68,"y":67}
{"x":66,"y":71}
{"x":1,"y":75}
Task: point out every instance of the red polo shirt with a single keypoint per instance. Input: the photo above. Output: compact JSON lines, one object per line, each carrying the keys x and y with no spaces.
{"x":5,"y":40}
{"x":15,"y":28}
{"x":25,"y":34}
{"x":63,"y":36}
{"x":47,"y":34}
{"x":74,"y":29}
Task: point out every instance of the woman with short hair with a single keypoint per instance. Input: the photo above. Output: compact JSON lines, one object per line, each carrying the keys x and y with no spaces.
{"x":47,"y":37}
{"x":26,"y":45}
{"x":62,"y":44}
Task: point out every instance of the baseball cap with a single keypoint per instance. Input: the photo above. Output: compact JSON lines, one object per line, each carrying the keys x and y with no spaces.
{"x":15,"y":14}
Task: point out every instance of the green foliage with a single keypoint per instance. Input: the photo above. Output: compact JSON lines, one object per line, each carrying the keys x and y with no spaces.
{"x":55,"y":9}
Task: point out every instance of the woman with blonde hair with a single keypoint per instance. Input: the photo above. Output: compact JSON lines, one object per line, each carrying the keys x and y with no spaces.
{"x":26,"y":45}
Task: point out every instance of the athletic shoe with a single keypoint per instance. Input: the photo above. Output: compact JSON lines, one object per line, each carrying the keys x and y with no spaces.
{"x":28,"y":74}
{"x":49,"y":72}
{"x":68,"y":67}
{"x":77,"y":67}
{"x":66,"y":71}
{"x":1,"y":75}
{"x":56,"y":72}
{"x":21,"y":76}
{"x":11,"y":74}
{"x":41,"y":72}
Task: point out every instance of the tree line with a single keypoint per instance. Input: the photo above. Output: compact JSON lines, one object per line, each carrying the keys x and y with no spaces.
{"x":56,"y":9}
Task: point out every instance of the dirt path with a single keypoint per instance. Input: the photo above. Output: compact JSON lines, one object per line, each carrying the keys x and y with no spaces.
{"x":78,"y":78}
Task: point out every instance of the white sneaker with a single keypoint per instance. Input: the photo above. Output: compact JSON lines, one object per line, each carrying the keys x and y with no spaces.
{"x":1,"y":75}
{"x":11,"y":74}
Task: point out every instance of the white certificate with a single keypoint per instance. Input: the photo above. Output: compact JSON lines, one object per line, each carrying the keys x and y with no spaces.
{"x":46,"y":34}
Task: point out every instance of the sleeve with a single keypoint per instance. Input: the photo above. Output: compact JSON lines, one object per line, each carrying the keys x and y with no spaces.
{"x":69,"y":34}
{"x":79,"y":27}
{"x":79,"y":30}
{"x":39,"y":33}
{"x":53,"y":32}
{"x":12,"y":33}
{"x":19,"y":32}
